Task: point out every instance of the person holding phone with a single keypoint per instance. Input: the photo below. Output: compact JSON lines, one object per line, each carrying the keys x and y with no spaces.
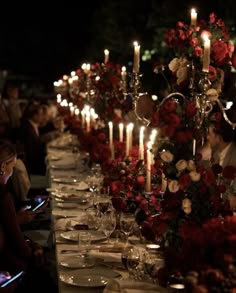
{"x":8,"y":282}
{"x":16,"y":254}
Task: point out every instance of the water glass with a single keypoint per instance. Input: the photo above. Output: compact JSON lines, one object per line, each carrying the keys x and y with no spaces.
{"x":84,"y":241}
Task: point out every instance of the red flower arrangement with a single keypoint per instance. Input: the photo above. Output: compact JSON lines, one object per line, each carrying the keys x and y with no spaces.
{"x":187,"y":42}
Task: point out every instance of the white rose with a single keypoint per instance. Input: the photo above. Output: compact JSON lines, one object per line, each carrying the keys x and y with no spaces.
{"x":174,"y":64}
{"x":181,"y":165}
{"x":191,"y":165}
{"x":167,"y":156}
{"x":195,"y":176}
{"x":173,"y":186}
{"x":181,"y":74}
{"x":212,"y":95}
{"x":187,"y":206}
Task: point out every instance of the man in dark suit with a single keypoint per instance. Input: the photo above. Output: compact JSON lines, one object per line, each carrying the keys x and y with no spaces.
{"x":222,"y":139}
{"x":35,"y":149}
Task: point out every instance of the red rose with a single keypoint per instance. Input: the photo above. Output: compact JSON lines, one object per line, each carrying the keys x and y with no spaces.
{"x":174,"y":120}
{"x":180,"y":24}
{"x":193,"y":42}
{"x":198,"y":51}
{"x":212,"y":17}
{"x":219,"y":51}
{"x":140,"y":180}
{"x":181,"y":137}
{"x":168,"y":131}
{"x":101,"y":136}
{"x":212,"y":72}
{"x":184,"y":181}
{"x":169,"y":106}
{"x":208,"y":178}
{"x":229,"y":172}
{"x":190,"y":109}
{"x":119,"y":204}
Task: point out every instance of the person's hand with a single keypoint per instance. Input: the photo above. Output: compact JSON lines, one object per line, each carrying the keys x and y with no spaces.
{"x":24,"y":216}
{"x":41,"y":197}
{"x":232,"y":201}
{"x":4,"y":276}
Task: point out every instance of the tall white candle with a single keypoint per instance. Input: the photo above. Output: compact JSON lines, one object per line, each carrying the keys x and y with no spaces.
{"x":127,"y":140}
{"x":83,"y":118}
{"x":194,"y":147}
{"x":77,"y":112}
{"x":121,"y":132}
{"x":148,"y":167}
{"x":136,"y":57}
{"x":72,"y":110}
{"x":123,"y":73}
{"x":206,"y":53}
{"x":88,"y":121}
{"x":193,"y":17}
{"x":106,"y":56}
{"x":131,"y":127}
{"x":110,"y":124}
{"x":141,"y":143}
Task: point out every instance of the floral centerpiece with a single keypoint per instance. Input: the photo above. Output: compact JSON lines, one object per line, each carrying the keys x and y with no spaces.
{"x":187,"y":42}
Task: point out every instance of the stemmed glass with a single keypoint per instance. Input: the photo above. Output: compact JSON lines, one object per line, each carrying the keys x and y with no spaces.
{"x":133,"y":259}
{"x":108,"y":224}
{"x":126,"y":224}
{"x":153,"y":262}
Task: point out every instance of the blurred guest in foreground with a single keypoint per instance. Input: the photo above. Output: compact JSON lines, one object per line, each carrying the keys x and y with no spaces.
{"x":16,"y":252}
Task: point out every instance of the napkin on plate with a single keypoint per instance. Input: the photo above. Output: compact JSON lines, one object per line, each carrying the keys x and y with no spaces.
{"x":130,"y":286}
{"x":106,"y":256}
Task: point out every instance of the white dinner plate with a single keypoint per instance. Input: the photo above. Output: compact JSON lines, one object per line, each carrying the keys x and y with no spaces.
{"x":76,"y":262}
{"x":70,"y":213}
{"x":94,"y":277}
{"x":74,"y":235}
{"x":62,"y":167}
{"x":70,"y":180}
{"x":68,"y":197}
{"x":67,"y":205}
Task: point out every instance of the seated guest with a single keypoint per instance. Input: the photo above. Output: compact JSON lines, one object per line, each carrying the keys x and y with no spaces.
{"x":35,"y":149}
{"x":221,"y":137}
{"x":47,"y":128}
{"x":16,"y":253}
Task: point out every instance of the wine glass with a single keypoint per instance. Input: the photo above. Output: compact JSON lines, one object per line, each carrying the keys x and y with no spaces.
{"x":133,"y":259}
{"x":103,"y":204}
{"x":108,"y":225}
{"x":126,"y":224}
{"x":153,"y":262}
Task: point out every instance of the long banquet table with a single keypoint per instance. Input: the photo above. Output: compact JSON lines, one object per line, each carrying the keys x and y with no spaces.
{"x":62,"y":165}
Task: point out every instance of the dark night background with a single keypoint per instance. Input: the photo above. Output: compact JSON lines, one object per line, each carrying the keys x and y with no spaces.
{"x":43,"y":43}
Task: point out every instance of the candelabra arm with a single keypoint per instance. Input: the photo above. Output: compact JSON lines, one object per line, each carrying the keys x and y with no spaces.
{"x":232,"y":124}
{"x":170,"y":96}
